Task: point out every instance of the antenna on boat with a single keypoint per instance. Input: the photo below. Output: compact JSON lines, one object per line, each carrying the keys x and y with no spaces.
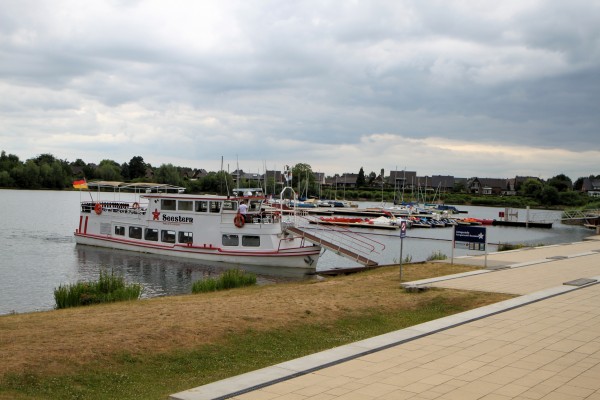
{"x":224,"y":177}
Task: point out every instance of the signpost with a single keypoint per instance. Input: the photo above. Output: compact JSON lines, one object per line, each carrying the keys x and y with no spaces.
{"x":473,"y":236}
{"x":402,"y":236}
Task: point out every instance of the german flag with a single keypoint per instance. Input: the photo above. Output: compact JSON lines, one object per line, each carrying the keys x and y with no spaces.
{"x":80,"y":184}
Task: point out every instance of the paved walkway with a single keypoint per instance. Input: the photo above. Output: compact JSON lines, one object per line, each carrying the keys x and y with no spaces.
{"x":544,"y":344}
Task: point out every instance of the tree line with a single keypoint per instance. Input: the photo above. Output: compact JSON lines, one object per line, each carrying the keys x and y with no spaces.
{"x":47,"y":172}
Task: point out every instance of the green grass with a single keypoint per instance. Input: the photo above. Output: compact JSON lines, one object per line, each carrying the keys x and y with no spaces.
{"x":508,"y":246}
{"x":230,"y":279}
{"x":152,"y":376}
{"x":437,"y":255}
{"x":108,"y":288}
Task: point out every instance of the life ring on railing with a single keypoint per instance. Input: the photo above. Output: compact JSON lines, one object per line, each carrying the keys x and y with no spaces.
{"x":98,"y":208}
{"x":135,"y":205}
{"x":239,"y":220}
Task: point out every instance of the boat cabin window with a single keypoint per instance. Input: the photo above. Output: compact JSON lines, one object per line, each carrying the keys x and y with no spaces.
{"x":168,"y":204}
{"x":120,"y":230}
{"x":151,"y":234}
{"x":135,"y":232}
{"x":231,"y":240}
{"x":185,"y":205}
{"x":167,"y":236}
{"x":202,"y":206}
{"x":250,"y":241}
{"x":186,"y":237}
{"x":215,"y":206}
{"x":254,"y":205}
{"x":230,"y":205}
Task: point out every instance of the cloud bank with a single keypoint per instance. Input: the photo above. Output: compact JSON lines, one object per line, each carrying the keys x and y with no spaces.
{"x":464,"y":88}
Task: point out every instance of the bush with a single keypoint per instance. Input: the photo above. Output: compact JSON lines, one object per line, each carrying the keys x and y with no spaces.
{"x":230,"y":279}
{"x":108,"y":288}
{"x":437,"y":255}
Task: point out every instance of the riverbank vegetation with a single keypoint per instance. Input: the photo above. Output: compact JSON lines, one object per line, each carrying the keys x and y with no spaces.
{"x":151,"y":348}
{"x":108,"y":288}
{"x":230,"y":279}
{"x":47,"y":172}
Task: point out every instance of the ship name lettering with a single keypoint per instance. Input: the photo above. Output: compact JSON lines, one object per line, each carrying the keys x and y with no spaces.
{"x":177,"y":218}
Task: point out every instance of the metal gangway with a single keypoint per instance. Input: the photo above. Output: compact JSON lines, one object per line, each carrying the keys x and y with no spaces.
{"x":337,"y":246}
{"x":580,"y":214}
{"x":342,"y":241}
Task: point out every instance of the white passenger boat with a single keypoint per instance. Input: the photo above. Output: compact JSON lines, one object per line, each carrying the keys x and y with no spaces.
{"x":159,"y":219}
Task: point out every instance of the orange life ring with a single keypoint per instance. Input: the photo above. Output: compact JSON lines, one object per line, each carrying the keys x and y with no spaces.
{"x":239,"y":220}
{"x":135,"y":205}
{"x":98,"y":208}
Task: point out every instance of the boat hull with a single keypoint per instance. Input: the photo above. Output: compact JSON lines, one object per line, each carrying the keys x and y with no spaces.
{"x":303,"y":258}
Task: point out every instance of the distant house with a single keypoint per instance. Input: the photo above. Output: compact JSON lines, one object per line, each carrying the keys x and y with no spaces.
{"x":443,"y":183}
{"x":254,"y":179}
{"x":402,"y":179}
{"x":488,"y":186}
{"x":319,"y":178}
{"x":237,"y":175}
{"x":276,"y":176}
{"x":591,"y":187}
{"x":193,"y":174}
{"x":511,"y":186}
{"x":347,"y":180}
{"x":460,"y":184}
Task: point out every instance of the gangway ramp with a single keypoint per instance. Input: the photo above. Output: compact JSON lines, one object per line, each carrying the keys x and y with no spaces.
{"x":580,"y":214}
{"x":337,"y":248}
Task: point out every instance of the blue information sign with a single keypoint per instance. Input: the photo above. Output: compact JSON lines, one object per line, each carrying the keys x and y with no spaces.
{"x":469,"y":234}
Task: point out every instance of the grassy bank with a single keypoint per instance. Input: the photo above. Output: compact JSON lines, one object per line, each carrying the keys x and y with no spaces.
{"x":151,"y":348}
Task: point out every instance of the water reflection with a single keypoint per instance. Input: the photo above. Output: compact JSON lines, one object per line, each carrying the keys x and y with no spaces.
{"x":161,"y":275}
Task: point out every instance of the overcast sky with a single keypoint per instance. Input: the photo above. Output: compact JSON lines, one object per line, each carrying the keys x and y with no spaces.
{"x":464,"y":88}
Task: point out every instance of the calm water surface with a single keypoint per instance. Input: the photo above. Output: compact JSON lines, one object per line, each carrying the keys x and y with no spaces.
{"x":38,"y":251}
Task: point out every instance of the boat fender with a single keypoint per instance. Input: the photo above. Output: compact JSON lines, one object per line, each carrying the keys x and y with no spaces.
{"x":136,"y":205}
{"x":98,"y":208}
{"x":238,"y":220}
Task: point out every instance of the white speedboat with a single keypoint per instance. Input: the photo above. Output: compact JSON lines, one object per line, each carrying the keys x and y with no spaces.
{"x":162,"y":220}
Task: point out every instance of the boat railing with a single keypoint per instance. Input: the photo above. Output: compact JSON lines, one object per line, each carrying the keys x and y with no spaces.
{"x":114,"y":206}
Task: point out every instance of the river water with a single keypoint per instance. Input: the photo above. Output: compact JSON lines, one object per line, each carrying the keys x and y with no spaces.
{"x":38,"y":251}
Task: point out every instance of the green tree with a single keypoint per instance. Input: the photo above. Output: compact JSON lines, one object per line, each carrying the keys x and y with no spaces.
{"x":372,"y":177}
{"x":215,"y":182}
{"x":360,"y":179}
{"x":561,"y":182}
{"x":31,"y":175}
{"x":572,"y":198}
{"x":78,"y":163}
{"x":578,"y":184}
{"x":169,"y":174}
{"x":137,"y":167}
{"x":125,"y":171}
{"x":8,"y":162}
{"x":549,"y":195}
{"x":532,"y":188}
{"x":6,"y":180}
{"x":303,"y":179}
{"x":108,"y":170}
